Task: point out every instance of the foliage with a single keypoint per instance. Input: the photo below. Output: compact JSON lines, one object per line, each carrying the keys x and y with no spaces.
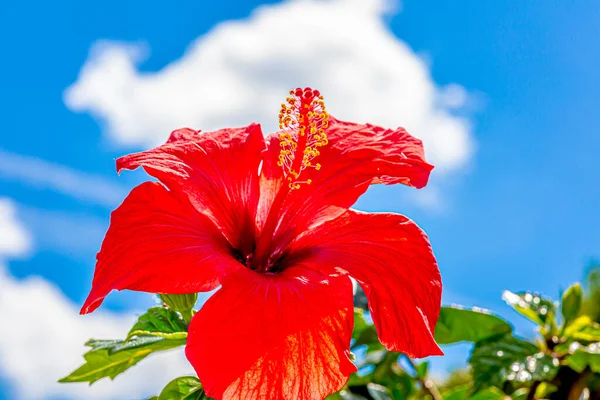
{"x":109,"y":358}
{"x":157,"y":330}
{"x":562,"y":363}
{"x":591,"y":302}
{"x":183,"y":388}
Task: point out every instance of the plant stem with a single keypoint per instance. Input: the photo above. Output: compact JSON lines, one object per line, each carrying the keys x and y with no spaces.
{"x":427,"y":384}
{"x":580,"y":384}
{"x":532,"y":390}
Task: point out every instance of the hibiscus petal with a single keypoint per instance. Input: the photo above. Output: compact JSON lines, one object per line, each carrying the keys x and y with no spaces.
{"x":218,"y":171}
{"x":355,"y":157}
{"x":183,"y":134}
{"x":157,"y":242}
{"x":391,"y":258}
{"x":275,"y":336}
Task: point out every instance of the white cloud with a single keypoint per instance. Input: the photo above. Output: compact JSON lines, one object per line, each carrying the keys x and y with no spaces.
{"x":43,"y":335}
{"x":43,"y":174}
{"x":44,"y":342}
{"x":241,"y":70}
{"x":15,"y":241}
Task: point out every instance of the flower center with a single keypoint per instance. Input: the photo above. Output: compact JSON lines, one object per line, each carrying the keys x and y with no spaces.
{"x":302,"y":120}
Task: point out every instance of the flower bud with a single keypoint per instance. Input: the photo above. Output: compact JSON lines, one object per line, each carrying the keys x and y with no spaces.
{"x":180,"y":302}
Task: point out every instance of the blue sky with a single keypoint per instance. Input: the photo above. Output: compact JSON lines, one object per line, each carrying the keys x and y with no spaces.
{"x":517,"y":211}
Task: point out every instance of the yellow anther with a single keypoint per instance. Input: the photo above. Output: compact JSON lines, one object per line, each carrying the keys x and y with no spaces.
{"x":303,"y":120}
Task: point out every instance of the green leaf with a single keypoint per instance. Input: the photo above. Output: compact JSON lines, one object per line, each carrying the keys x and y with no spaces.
{"x":345,"y":395}
{"x":386,"y":372}
{"x":583,"y":329}
{"x":360,"y":323}
{"x":364,"y":333}
{"x":109,"y":358}
{"x":544,"y":389}
{"x":538,"y":309}
{"x":459,"y":394}
{"x":379,"y":392}
{"x":457,"y":325}
{"x":578,"y":361}
{"x":358,"y":380}
{"x":520,"y":394}
{"x":183,"y":388}
{"x":571,"y":303}
{"x":160,"y":321}
{"x":373,"y":357}
{"x":507,"y":358}
{"x":422,"y":369}
{"x":585,"y":356}
{"x":490,"y":394}
{"x":486,"y":394}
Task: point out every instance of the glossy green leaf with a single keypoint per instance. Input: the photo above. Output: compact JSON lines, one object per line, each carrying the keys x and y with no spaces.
{"x":520,"y":394}
{"x":578,"y":361}
{"x":385,"y":372}
{"x":585,"y":356}
{"x":373,"y":357}
{"x":358,"y":380}
{"x":463,"y":325}
{"x":360,"y":323}
{"x":544,"y":389}
{"x":536,"y":308}
{"x":507,"y":358}
{"x":183,"y":388}
{"x":422,"y":369}
{"x":458,"y":394}
{"x":379,"y":392}
{"x":345,"y":395}
{"x":386,"y":369}
{"x":160,"y":321}
{"x":364,"y":333}
{"x":491,"y":393}
{"x":583,"y":329}
{"x":571,"y":303}
{"x":109,"y":358}
{"x":589,"y":333}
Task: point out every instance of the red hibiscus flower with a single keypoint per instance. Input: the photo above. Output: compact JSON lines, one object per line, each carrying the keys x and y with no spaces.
{"x":269,"y":221}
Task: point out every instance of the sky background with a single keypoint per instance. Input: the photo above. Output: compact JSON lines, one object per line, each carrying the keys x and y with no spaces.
{"x":505,"y":96}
